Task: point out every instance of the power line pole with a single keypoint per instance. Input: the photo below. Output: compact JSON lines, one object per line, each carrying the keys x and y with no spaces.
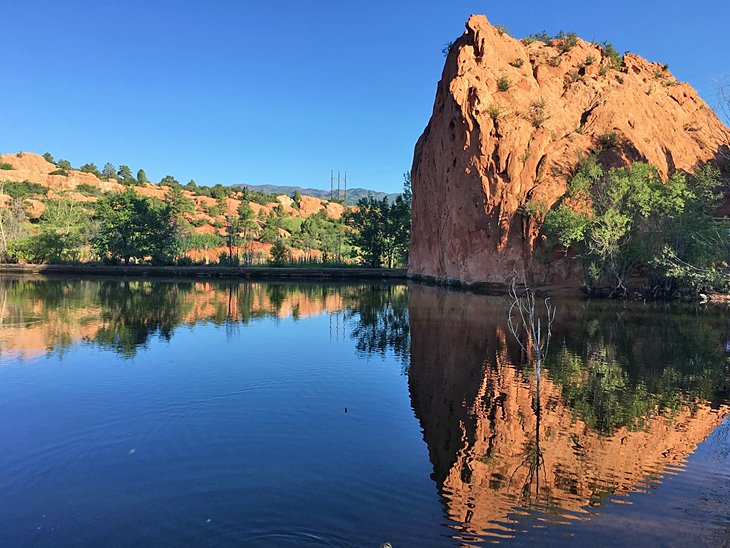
{"x":332,"y":183}
{"x":345,"y":188}
{"x":338,"y":185}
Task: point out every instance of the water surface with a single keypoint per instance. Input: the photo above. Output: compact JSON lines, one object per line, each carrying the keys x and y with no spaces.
{"x":139,"y":412}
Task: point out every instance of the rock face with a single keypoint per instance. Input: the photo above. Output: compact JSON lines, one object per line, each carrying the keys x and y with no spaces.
{"x":511,"y":121}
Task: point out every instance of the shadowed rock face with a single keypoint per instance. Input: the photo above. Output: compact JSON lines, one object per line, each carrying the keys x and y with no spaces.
{"x":608,"y":422}
{"x":486,"y":154}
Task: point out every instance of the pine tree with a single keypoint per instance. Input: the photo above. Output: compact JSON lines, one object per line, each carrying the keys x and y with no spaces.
{"x":109,"y":172}
{"x":125,"y":175}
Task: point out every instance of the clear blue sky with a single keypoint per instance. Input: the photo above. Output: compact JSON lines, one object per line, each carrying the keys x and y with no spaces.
{"x":282,"y":92}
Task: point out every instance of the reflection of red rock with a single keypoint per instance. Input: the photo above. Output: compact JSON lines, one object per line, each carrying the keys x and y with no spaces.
{"x":30,"y":329}
{"x":476,"y":412}
{"x":486,"y":153}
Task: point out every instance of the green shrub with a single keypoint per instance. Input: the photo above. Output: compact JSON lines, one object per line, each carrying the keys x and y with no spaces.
{"x":291,"y":224}
{"x":517,"y":63}
{"x":91,"y":168}
{"x":538,"y":112}
{"x":501,"y":29}
{"x":23,"y":190}
{"x":534,"y":208}
{"x":88,"y":190}
{"x":631,"y":222}
{"x":279,"y":253}
{"x":503,"y":83}
{"x":62,"y":172}
{"x":615,"y":59}
{"x":567,"y":41}
{"x":6,"y":166}
{"x":46,"y":247}
{"x":608,"y":140}
{"x":590,"y":60}
{"x":586,"y":174}
{"x":495,"y":111}
{"x":543,"y":37}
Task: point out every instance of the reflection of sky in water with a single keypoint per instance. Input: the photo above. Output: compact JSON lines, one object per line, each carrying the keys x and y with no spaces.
{"x":282,"y":414}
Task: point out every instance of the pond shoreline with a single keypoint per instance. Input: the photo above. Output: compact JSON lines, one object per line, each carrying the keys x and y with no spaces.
{"x":355,"y":273}
{"x":228,"y":272}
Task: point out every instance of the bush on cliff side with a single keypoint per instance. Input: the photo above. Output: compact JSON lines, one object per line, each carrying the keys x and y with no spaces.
{"x":627,"y":222}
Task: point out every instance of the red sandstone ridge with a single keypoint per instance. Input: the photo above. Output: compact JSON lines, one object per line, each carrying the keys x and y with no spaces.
{"x":29,"y":167}
{"x":486,"y":153}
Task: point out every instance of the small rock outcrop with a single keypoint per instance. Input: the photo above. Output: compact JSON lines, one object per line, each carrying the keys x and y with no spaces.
{"x":510,"y":122}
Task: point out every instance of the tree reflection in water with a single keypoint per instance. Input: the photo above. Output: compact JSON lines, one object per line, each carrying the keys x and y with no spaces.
{"x":132,"y":312}
{"x":124,"y":315}
{"x":627,"y":390}
{"x":378,"y":316}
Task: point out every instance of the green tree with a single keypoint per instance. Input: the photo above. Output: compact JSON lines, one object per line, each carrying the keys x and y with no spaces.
{"x":380,"y":231}
{"x":49,"y":157}
{"x":169,"y":180}
{"x":279,"y":252}
{"x":134,"y":227}
{"x":64,"y":164}
{"x":248,"y":226}
{"x":218,"y":191}
{"x":109,"y":171}
{"x":206,"y":242}
{"x":63,"y":229}
{"x":91,"y":168}
{"x":398,"y":226}
{"x":125,"y":175}
{"x":12,"y":224}
{"x":270,"y":231}
{"x":367,"y":222}
{"x":626,"y":221}
{"x":233,"y":236}
{"x":297,"y":197}
{"x":179,"y":203}
{"x":142,"y":177}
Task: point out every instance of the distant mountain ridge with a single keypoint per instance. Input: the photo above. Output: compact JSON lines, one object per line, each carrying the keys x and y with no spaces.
{"x":353,"y":194}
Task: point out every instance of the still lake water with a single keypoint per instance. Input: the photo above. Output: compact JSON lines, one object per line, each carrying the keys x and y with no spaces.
{"x":160,"y":413}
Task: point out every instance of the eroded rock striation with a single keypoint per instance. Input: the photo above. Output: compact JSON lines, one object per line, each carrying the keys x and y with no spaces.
{"x":510,"y":122}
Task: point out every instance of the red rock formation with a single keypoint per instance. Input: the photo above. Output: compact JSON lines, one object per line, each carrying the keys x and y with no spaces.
{"x":30,"y":167}
{"x":509,"y":123}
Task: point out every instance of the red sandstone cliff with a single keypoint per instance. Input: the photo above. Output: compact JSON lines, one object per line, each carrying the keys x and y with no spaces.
{"x":509,"y":123}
